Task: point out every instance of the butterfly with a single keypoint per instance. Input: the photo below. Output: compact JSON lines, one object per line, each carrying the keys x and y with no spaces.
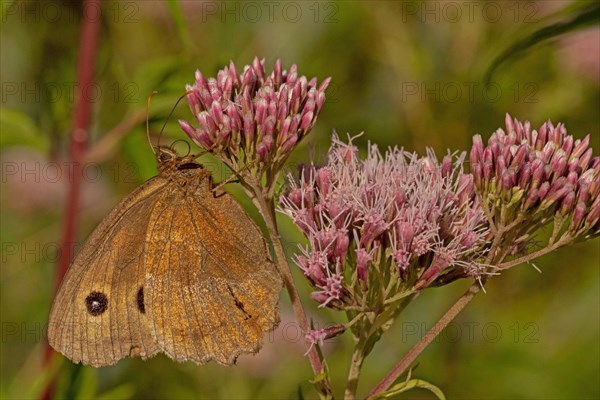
{"x":173,"y":268}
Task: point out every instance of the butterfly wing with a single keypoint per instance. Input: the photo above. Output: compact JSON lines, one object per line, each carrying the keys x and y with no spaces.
{"x":98,"y":315}
{"x":213,"y":290}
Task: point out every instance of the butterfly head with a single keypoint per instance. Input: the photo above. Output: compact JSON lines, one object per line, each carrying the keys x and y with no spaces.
{"x":165,"y":154}
{"x":171,"y":164}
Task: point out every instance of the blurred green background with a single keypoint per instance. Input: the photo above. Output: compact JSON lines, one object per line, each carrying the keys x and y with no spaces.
{"x":406,"y":73}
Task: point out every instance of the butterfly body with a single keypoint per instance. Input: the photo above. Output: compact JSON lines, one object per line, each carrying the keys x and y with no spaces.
{"x":172,"y":268}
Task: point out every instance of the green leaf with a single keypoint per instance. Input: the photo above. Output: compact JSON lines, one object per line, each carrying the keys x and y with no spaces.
{"x":139,"y":154}
{"x":87,"y":383}
{"x":580,"y":15}
{"x":411,"y":384}
{"x":179,"y":21}
{"x":155,"y":75}
{"x":72,"y":373}
{"x":162,"y":104}
{"x":125,"y":391}
{"x":319,"y":378}
{"x":18,"y":129}
{"x":323,"y":390}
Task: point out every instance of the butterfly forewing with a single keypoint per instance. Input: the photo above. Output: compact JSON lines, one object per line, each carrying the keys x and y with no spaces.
{"x":96,"y":317}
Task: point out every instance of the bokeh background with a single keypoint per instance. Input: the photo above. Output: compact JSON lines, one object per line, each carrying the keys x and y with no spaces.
{"x":406,"y":73}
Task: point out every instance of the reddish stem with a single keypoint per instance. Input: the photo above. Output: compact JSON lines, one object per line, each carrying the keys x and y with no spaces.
{"x":426,"y":340}
{"x":90,"y":28}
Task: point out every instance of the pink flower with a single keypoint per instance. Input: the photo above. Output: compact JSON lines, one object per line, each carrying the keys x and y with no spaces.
{"x":253,"y":117}
{"x":538,"y":174}
{"x":393,"y":211}
{"x":318,"y":336}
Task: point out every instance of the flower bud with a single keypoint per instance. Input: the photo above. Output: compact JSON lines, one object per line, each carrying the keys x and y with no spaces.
{"x":580,"y":147}
{"x":567,"y":204}
{"x":341,"y":246}
{"x":593,"y":215}
{"x":363,"y":258}
{"x":578,"y":216}
{"x":320,"y":335}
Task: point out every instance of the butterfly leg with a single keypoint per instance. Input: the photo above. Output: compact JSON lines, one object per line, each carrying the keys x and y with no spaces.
{"x":233,"y":178}
{"x":215,"y":189}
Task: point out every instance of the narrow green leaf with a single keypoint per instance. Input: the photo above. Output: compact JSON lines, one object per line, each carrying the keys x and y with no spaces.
{"x":179,"y":21}
{"x":88,"y":383}
{"x":412,"y":384}
{"x":319,"y":378}
{"x":155,"y":75}
{"x":581,"y":16}
{"x":74,"y":372}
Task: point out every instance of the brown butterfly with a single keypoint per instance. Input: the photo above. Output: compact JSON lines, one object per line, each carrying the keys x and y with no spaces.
{"x":173,"y":268}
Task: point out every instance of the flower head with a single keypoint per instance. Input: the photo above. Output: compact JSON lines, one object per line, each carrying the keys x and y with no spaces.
{"x":538,"y":176}
{"x":393,"y":219}
{"x":253,"y":118}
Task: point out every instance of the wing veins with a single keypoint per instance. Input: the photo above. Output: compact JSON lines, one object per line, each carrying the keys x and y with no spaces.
{"x":218,"y":261}
{"x":197,"y":231}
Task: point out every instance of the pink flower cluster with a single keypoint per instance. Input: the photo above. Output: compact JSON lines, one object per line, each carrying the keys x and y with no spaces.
{"x":540,"y":173}
{"x":396,"y":221}
{"x":252,"y":116}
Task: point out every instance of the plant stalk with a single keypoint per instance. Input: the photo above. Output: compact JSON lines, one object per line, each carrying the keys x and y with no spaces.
{"x":426,"y":340}
{"x":90,"y":29}
{"x":509,"y":264}
{"x":267,"y":210}
{"x":356,"y":363}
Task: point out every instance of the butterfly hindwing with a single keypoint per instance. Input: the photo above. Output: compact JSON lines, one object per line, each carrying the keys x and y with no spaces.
{"x":213,"y":291}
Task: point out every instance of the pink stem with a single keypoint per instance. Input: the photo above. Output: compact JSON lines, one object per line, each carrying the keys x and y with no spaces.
{"x":90,"y":28}
{"x":422,"y":344}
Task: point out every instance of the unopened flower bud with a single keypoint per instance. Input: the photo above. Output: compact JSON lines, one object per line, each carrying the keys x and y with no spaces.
{"x":567,"y":204}
{"x":476,"y":154}
{"x":363,"y":259}
{"x":580,"y":147}
{"x":578,"y":216}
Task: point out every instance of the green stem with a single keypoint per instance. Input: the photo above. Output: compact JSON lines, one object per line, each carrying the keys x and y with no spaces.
{"x":529,"y":257}
{"x":391,"y":312}
{"x":397,"y":297}
{"x":267,"y":209}
{"x":358,"y":357}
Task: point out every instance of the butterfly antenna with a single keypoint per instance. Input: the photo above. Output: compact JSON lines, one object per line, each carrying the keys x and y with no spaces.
{"x":182,"y":141}
{"x":172,"y":111}
{"x":147,"y":117}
